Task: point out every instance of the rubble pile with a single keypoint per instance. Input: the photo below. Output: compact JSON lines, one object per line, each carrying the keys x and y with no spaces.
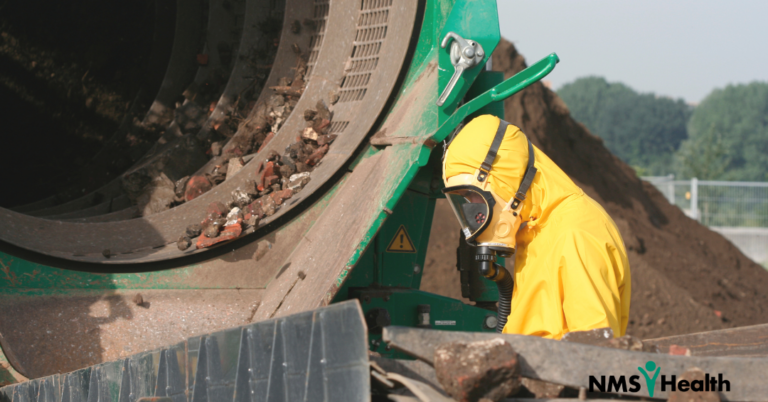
{"x":252,"y":134}
{"x":277,"y":179}
{"x":190,"y":134}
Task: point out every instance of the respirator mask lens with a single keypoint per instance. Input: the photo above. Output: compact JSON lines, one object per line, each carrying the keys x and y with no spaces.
{"x":473,"y":208}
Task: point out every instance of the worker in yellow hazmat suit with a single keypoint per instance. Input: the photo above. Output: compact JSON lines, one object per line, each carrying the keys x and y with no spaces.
{"x":571,"y":268}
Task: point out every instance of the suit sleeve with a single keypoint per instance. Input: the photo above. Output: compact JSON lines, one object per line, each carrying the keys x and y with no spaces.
{"x":591,"y":284}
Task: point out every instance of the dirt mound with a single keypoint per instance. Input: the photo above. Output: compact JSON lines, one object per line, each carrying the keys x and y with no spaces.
{"x":685,"y":278}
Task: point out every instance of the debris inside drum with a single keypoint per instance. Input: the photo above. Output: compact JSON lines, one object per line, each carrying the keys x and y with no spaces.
{"x":278,"y":178}
{"x":199,"y":137}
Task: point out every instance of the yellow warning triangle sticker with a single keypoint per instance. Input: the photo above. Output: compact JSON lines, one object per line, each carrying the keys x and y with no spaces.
{"x":401,"y":243}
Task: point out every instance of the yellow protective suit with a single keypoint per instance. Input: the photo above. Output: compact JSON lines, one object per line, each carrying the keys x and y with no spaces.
{"x":571,"y":267}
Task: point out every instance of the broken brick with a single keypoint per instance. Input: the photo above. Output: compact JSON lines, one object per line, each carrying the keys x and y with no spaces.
{"x":477,"y":370}
{"x":280,"y":196}
{"x":317,"y":155}
{"x":196,"y":186}
{"x":679,"y":350}
{"x":268,"y":176}
{"x":321,"y":125}
{"x":255,"y":209}
{"x":229,"y":233}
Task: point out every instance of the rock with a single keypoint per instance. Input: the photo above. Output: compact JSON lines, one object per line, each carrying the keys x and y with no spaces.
{"x":231,"y":229}
{"x":216,"y":148}
{"x":276,"y":101}
{"x":477,"y":370}
{"x":180,"y":186}
{"x":183,"y":243}
{"x":196,"y":186}
{"x":279,"y":196}
{"x":214,"y":212}
{"x":310,"y":114}
{"x":234,"y":216}
{"x":598,"y":337}
{"x":241,"y":198}
{"x":297,"y":181}
{"x":309,"y":134}
{"x":211,"y":231}
{"x":296,"y":27}
{"x":107,"y":253}
{"x":326,"y":139}
{"x":216,"y":208}
{"x":268,"y":205}
{"x":687,"y":381}
{"x":287,"y":169}
{"x":321,"y":125}
{"x":322,"y":111}
{"x":317,"y":155}
{"x":193,"y":230}
{"x":333,"y":97}
{"x":230,"y":232}
{"x":223,"y":129}
{"x":138,"y":299}
{"x":255,"y":209}
{"x":252,"y":220}
{"x":190,"y":117}
{"x":296,"y":151}
{"x":234,"y":166}
{"x":156,"y":197}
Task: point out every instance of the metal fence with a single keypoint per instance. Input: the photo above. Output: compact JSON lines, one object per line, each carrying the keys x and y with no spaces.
{"x":717,"y":203}
{"x":737,"y":210}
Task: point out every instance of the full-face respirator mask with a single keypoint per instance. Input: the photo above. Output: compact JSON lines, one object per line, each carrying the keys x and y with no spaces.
{"x":489,"y":222}
{"x":486,"y":219}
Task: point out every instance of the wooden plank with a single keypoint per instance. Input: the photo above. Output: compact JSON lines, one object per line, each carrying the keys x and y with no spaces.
{"x":572,"y":364}
{"x":751,"y":341}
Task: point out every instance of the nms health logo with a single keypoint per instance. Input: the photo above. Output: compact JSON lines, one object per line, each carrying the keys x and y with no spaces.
{"x":650,"y":374}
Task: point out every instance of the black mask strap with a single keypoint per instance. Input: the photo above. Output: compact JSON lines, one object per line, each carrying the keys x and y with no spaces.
{"x":525,"y":184}
{"x":530,"y":170}
{"x":485,"y":167}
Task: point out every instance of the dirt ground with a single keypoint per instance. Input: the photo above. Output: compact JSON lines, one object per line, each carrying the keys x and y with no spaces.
{"x":685,"y":278}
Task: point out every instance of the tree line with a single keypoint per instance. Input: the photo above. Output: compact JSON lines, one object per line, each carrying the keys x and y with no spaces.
{"x":725,"y":137}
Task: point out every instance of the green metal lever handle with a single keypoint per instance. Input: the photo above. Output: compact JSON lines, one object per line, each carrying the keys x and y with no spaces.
{"x":524,"y":78}
{"x":509,"y":87}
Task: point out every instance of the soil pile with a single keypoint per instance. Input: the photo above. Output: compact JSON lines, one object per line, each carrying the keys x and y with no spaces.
{"x":685,"y":278}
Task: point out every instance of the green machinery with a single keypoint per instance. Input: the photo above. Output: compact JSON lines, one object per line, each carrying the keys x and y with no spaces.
{"x":364,"y":238}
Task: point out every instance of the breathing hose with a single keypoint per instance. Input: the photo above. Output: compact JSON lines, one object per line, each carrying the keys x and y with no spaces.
{"x":504,"y":281}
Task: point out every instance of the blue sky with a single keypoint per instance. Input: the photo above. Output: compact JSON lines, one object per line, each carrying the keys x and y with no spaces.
{"x":676,"y":48}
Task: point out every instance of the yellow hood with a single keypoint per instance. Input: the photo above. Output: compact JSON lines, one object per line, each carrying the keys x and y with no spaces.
{"x":550,"y":186}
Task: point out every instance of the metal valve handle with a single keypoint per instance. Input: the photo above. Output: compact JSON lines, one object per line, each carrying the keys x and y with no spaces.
{"x":465,"y":54}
